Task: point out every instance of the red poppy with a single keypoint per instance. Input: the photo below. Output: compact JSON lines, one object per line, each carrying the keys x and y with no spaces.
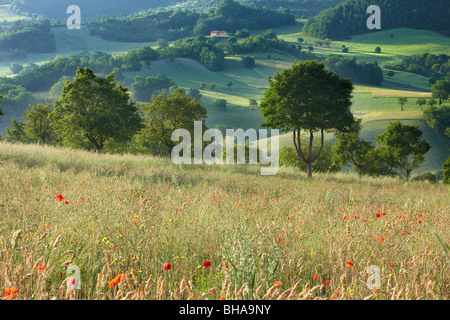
{"x":167,"y":266}
{"x":391,"y":265}
{"x":41,"y":267}
{"x":349,"y":264}
{"x":67,"y":202}
{"x":378,"y":215}
{"x":278,"y":240}
{"x":207,"y":264}
{"x":403,"y":233}
{"x":315,"y":277}
{"x":326,"y":282}
{"x":277,"y":283}
{"x":382,"y":239}
{"x":60,"y":197}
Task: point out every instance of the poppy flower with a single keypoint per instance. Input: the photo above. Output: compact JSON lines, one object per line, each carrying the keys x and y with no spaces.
{"x":403,"y":233}
{"x":382,"y":239}
{"x":378,"y":215}
{"x":60,"y":197}
{"x":67,"y":202}
{"x":167,"y":266}
{"x":41,"y":267}
{"x":349,"y":264}
{"x":207,"y":264}
{"x":326,"y":282}
{"x":391,"y":265}
{"x":278,"y":240}
{"x":277,"y":283}
{"x":315,"y":277}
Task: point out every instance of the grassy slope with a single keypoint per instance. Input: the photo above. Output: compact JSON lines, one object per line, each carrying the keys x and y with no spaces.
{"x":133,"y":215}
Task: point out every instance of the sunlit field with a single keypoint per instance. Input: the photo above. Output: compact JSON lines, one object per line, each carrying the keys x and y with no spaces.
{"x":139,"y":227}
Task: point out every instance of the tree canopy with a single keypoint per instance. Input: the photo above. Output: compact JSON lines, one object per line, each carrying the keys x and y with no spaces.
{"x":405,"y":144}
{"x":95,"y":109}
{"x":306,"y":97}
{"x":168,"y":113}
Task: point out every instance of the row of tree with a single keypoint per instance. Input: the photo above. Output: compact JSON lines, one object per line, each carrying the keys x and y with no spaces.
{"x":435,"y":67}
{"x":32,"y":37}
{"x":306,"y":99}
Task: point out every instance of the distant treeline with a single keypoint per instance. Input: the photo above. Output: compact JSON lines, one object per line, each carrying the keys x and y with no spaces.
{"x":175,"y":24}
{"x":435,"y":67}
{"x":299,"y":8}
{"x":31,"y":37}
{"x":56,"y":9}
{"x":350,"y":18}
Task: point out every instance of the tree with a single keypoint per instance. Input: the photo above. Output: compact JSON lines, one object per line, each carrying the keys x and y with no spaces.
{"x":162,"y":43}
{"x":350,"y":148}
{"x":168,"y":113}
{"x":377,"y":50}
{"x":16,"y":133}
{"x":220,"y":103}
{"x":252,"y":103}
{"x":431,"y":102}
{"x":401,"y":101}
{"x":421,"y":102}
{"x":195,"y":93}
{"x":96,"y":109}
{"x":405,"y":144}
{"x":310,"y":48}
{"x":325,"y":163}
{"x":37,"y":125}
{"x":390,"y":73}
{"x":441,"y":90}
{"x":15,"y":68}
{"x":306,"y":97}
{"x":345,"y":50}
{"x":248,"y":62}
{"x":446,"y":174}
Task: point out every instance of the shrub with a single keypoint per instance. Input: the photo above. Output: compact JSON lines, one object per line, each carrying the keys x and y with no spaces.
{"x":426,"y":176}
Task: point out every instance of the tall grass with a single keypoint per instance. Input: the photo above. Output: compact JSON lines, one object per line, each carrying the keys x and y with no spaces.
{"x":266,"y":237}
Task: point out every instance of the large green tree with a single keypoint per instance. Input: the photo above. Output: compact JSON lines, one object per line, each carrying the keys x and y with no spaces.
{"x":405,"y":144}
{"x":95,"y":108}
{"x":306,"y":97}
{"x":37,"y":125}
{"x":349,"y":148}
{"x":168,"y":113}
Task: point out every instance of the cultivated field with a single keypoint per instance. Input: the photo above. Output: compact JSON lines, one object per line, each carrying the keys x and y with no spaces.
{"x":278,"y":237}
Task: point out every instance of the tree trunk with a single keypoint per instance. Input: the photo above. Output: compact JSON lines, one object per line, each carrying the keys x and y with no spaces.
{"x":309,"y":169}
{"x":360,"y":172}
{"x":406,"y":175}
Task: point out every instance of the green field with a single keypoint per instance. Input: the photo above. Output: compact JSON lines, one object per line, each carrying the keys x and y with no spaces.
{"x":7,"y":15}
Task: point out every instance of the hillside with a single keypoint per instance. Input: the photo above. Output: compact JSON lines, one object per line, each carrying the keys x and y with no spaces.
{"x":56,"y":9}
{"x":349,"y":18}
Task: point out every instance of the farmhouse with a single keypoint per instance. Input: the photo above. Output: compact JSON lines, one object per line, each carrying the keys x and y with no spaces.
{"x":219,"y":33}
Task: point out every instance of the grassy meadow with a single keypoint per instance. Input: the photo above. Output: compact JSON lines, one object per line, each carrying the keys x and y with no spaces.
{"x":127,"y":217}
